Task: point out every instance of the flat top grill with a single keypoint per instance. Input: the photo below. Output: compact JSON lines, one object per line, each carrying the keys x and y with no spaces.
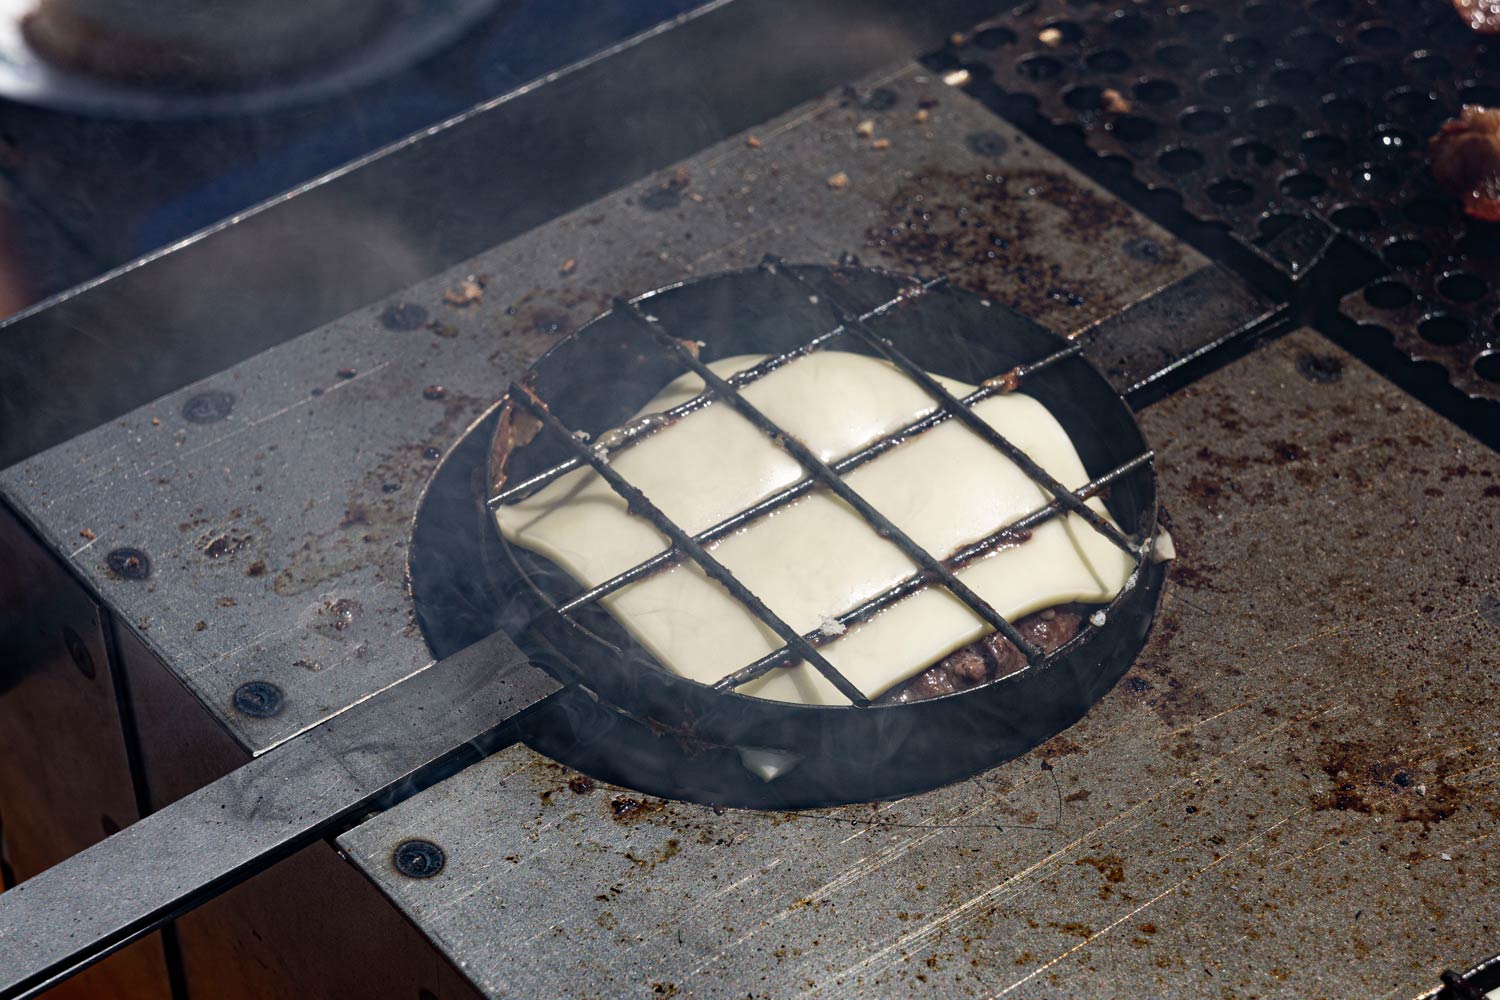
{"x":934,"y":569}
{"x":1305,"y":744}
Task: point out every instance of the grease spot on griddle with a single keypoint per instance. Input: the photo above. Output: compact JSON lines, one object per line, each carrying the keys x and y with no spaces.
{"x":1016,"y":236}
{"x":628,"y":809}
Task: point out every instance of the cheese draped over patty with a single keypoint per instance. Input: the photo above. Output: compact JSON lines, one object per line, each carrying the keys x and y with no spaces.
{"x":816,"y":558}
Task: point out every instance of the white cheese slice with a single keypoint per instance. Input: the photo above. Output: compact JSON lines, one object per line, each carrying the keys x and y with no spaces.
{"x":816,"y":558}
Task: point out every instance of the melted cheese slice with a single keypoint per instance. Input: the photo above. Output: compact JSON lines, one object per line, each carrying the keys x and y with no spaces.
{"x":816,"y":558}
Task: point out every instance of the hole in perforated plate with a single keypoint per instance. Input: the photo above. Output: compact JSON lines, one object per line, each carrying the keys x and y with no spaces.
{"x":1487,"y":366}
{"x":993,"y":38}
{"x":1174,"y":56}
{"x":1262,"y":13}
{"x":1356,"y":72}
{"x":1244,"y":48}
{"x":1107,"y":61}
{"x":1478,"y":92}
{"x":1344,"y":111}
{"x":1083,"y":97}
{"x":1230,"y":191}
{"x":1462,"y":286}
{"x":1251,"y":152}
{"x":1409,"y":103}
{"x":1312,"y":47}
{"x":1222,"y":83}
{"x":1179,"y":160}
{"x":1354,"y":218}
{"x":1321,"y":148}
{"x":1038,"y":68}
{"x":1294,"y":80}
{"x":1329,"y":9}
{"x":1406,"y":253}
{"x":1429,"y":66}
{"x":1428,"y":210}
{"x":1301,"y":185}
{"x":1480,"y":242}
{"x":1269,"y":115}
{"x":1388,"y":294}
{"x":1132,"y":128}
{"x":1127,"y":24}
{"x":1440,"y":328}
{"x":1378,"y":35}
{"x":1201,"y":121}
{"x":1196,"y":20}
{"x":1155,"y":91}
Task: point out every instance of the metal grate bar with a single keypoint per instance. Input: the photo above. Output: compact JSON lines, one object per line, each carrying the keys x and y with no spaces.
{"x":638,"y":502}
{"x":920,"y":581}
{"x":970,"y":419}
{"x":645,"y":426}
{"x":992,"y":387}
{"x":834,"y":483}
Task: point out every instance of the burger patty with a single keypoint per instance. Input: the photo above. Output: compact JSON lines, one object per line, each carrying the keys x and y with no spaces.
{"x":990,"y":657}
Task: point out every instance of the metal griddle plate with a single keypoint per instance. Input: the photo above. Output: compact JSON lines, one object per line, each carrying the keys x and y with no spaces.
{"x":1289,"y":795}
{"x":274,"y":499}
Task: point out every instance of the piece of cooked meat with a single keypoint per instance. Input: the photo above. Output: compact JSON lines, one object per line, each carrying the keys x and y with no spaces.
{"x":1465,"y":160}
{"x":1482,"y":15}
{"x":988,"y":658}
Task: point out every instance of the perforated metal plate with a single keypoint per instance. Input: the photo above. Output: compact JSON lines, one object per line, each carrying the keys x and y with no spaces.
{"x":1290,"y":123}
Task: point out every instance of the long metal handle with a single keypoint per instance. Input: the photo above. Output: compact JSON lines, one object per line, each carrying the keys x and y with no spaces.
{"x":373,"y":755}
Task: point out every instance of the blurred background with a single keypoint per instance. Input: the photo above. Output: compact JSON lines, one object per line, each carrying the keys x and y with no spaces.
{"x":103,"y":163}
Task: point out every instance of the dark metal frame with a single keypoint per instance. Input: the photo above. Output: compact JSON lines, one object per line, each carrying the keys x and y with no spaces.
{"x":935,"y":570}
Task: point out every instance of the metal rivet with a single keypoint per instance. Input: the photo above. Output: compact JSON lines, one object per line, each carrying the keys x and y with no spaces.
{"x":418,"y":858}
{"x":1320,"y":368}
{"x":79,"y":652}
{"x":128,"y":563}
{"x":208,"y":407}
{"x":402,"y":316}
{"x":258,"y":699}
{"x":987,"y":143}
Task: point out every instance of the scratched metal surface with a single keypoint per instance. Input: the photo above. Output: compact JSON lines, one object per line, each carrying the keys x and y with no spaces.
{"x":1290,"y":794}
{"x":277,"y":534}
